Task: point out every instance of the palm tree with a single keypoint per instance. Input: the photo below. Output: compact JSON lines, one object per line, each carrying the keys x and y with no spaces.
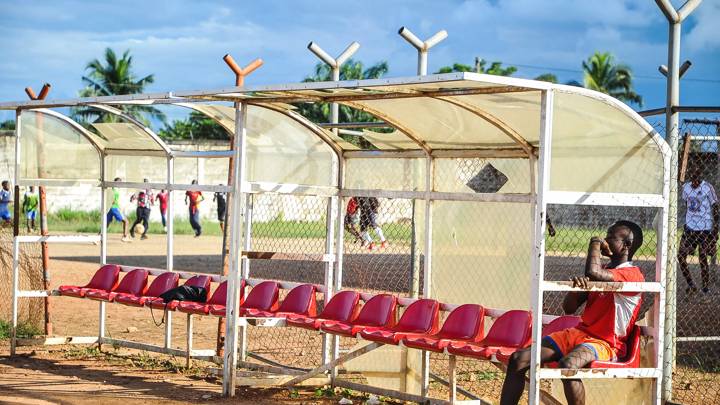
{"x":115,"y":77}
{"x":8,"y":125}
{"x":350,"y":70}
{"x":602,"y":74}
{"x":495,"y":68}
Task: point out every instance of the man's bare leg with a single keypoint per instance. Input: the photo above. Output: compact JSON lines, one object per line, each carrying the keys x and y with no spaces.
{"x":682,"y":263}
{"x":579,"y":357}
{"x":704,"y":269}
{"x":518,"y":366}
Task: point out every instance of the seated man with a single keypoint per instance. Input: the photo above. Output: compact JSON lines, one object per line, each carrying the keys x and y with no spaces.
{"x":606,"y":321}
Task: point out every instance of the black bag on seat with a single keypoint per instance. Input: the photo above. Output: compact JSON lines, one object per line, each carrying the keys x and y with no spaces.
{"x":185,"y":293}
{"x":181,"y":293}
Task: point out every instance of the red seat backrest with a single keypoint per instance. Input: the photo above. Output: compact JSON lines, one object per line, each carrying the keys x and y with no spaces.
{"x":105,"y":278}
{"x":511,"y":329}
{"x":341,"y":306}
{"x":419,"y":317}
{"x":300,"y":300}
{"x":133,"y":283}
{"x":632,"y":354}
{"x":263,"y":296}
{"x":199,"y":281}
{"x":219,"y":297}
{"x":561,"y":323}
{"x":464,"y":322}
{"x":162,"y":283}
{"x":378,"y":311}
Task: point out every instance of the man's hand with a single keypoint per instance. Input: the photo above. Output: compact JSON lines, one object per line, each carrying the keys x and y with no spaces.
{"x":580,"y":282}
{"x":600,"y":244}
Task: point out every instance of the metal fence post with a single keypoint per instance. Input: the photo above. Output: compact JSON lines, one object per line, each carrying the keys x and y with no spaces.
{"x":335,"y":65}
{"x":675,"y":19}
{"x":422,"y":46}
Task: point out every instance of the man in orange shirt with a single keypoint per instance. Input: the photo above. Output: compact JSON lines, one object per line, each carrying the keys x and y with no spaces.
{"x":194,"y":198}
{"x":606,"y":321}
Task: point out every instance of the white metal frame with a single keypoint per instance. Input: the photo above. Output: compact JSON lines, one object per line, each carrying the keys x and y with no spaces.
{"x":240,"y":236}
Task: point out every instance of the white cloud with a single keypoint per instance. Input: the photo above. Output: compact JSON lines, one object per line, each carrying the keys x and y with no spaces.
{"x":183,"y":45}
{"x":705,"y":35}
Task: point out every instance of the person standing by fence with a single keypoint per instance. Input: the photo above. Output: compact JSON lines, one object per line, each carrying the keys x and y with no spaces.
{"x":115,"y":213}
{"x":701,"y":228}
{"x":162,"y":197}
{"x":144,"y":199}
{"x":219,"y":197}
{"x":369,"y":207}
{"x":30,"y":206}
{"x":5,"y":201}
{"x":194,"y":198}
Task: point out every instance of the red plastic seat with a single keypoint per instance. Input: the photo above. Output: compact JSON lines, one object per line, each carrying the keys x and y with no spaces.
{"x":194,"y":281}
{"x":134,"y":283}
{"x":219,"y":297}
{"x":556,"y":325}
{"x":632,"y":357}
{"x":343,"y":307}
{"x":508,"y":333}
{"x":463,"y":324}
{"x":299,"y":301}
{"x":105,"y":279}
{"x":561,"y":323}
{"x":420,"y":317}
{"x":378,"y":311}
{"x":263,"y":297}
{"x":164,"y":282}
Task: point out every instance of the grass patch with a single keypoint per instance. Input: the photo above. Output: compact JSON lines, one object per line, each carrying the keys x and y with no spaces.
{"x":576,"y":240}
{"x":23,"y":331}
{"x":572,"y":240}
{"x":72,"y":221}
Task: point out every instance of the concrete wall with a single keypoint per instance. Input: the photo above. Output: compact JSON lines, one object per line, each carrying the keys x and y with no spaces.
{"x":207,"y":171}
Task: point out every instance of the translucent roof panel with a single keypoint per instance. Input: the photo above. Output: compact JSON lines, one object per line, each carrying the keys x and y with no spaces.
{"x":475,"y":175}
{"x":395,"y":140}
{"x":53,"y":148}
{"x":225,"y":116}
{"x":480,"y":251}
{"x":136,"y":168}
{"x":596,"y":147}
{"x":126,"y":136}
{"x":385,"y":174}
{"x":438,"y":123}
{"x":520,"y":110}
{"x":281,"y":150}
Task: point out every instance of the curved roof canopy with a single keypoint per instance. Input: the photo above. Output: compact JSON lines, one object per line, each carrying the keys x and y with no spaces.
{"x":436,"y":115}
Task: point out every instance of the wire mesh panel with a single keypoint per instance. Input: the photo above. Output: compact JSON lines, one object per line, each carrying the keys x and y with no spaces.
{"x":288,"y":224}
{"x":31,"y":313}
{"x":380,"y":235}
{"x":696,"y":374}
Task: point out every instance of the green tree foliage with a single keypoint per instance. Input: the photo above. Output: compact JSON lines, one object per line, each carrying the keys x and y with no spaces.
{"x":114,"y":76}
{"x":495,"y":68}
{"x":601,"y":73}
{"x":8,"y":125}
{"x":350,"y":70}
{"x":197,"y":126}
{"x":547,"y":77}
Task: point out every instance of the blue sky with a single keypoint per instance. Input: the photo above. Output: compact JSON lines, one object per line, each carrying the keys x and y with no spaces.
{"x":182,"y":42}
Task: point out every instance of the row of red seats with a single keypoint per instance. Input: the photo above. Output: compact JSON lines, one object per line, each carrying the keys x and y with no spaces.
{"x":461,"y":334}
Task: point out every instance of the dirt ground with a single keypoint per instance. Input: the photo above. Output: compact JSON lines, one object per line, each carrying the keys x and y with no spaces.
{"x":83,"y":376}
{"x":68,"y":375}
{"x":78,"y":375}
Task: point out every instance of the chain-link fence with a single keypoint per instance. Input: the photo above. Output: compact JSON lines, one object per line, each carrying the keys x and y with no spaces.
{"x":696,"y":364}
{"x":31,"y":312}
